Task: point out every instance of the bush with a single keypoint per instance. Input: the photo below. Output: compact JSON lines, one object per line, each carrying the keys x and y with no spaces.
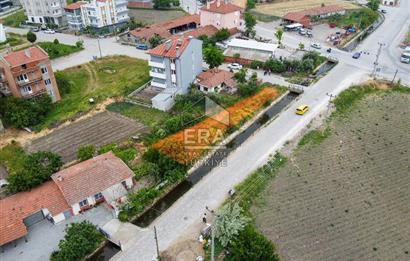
{"x":31,"y":37}
{"x":21,"y":113}
{"x":137,"y":202}
{"x":80,"y":240}
{"x":85,"y":152}
{"x":63,"y":82}
{"x":147,"y":169}
{"x":168,"y":168}
{"x":56,"y":49}
{"x":37,"y":168}
{"x":249,"y":244}
{"x":256,"y":65}
{"x":56,"y":41}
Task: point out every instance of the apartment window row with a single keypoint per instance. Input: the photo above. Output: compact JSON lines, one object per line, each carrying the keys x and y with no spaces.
{"x":27,"y":89}
{"x":44,"y":70}
{"x":22,"y":78}
{"x":47,"y":82}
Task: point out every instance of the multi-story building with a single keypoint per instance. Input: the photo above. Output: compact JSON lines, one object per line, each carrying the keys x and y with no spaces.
{"x":74,"y":16}
{"x":28,"y":73}
{"x":5,"y":5}
{"x":45,"y":11}
{"x":174,"y":66}
{"x":221,"y":14}
{"x":104,"y":13}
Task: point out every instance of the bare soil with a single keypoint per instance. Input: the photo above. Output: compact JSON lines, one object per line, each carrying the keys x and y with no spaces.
{"x":346,"y":198}
{"x":100,"y":129}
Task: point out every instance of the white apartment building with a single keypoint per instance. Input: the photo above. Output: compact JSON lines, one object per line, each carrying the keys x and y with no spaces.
{"x":102,"y":13}
{"x":45,"y":11}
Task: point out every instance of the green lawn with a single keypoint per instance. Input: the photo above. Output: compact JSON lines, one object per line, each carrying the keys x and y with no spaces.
{"x":59,"y":49}
{"x":15,"y":19}
{"x":12,"y":157}
{"x":113,"y":76}
{"x":13,"y":40}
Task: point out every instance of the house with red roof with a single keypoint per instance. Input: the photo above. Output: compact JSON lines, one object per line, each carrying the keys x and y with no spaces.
{"x":215,"y":81}
{"x":27,"y":73}
{"x":305,"y":17}
{"x":70,"y":191}
{"x":174,"y":66}
{"x":221,"y":14}
{"x":74,"y":16}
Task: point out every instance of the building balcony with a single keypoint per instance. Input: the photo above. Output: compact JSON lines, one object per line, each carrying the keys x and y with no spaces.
{"x":158,"y":84}
{"x":156,"y":64}
{"x":23,"y":83}
{"x":173,"y":66}
{"x":157,"y":75}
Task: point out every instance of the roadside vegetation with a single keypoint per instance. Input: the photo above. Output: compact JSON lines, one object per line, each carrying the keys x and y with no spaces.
{"x":56,"y":49}
{"x":15,"y":19}
{"x":358,"y":18}
{"x":13,"y":40}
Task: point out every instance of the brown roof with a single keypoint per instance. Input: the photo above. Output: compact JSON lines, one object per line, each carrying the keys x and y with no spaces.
{"x":295,"y":16}
{"x":208,"y":30}
{"x":28,"y":55}
{"x":147,"y":5}
{"x":171,"y":52}
{"x":221,"y":7}
{"x":74,"y":6}
{"x":212,"y":78}
{"x":91,"y":176}
{"x":14,"y":209}
{"x":162,"y":29}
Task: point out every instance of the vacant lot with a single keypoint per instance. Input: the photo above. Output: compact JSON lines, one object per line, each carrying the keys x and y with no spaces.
{"x":15,"y":19}
{"x":101,"y":129}
{"x":150,"y":16}
{"x":114,"y":76}
{"x":344,"y":194}
{"x":15,"y":41}
{"x":279,"y":9}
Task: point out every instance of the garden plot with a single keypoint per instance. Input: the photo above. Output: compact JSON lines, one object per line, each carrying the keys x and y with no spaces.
{"x":346,"y":197}
{"x":101,"y":129}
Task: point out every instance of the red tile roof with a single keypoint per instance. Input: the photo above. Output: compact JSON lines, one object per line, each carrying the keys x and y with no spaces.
{"x":162,"y":29}
{"x":147,"y":5}
{"x":28,"y":55}
{"x":221,"y":7}
{"x":214,"y":77}
{"x":89,"y":177}
{"x":208,"y":30}
{"x":14,"y":209}
{"x":171,"y":52}
{"x":74,"y":6}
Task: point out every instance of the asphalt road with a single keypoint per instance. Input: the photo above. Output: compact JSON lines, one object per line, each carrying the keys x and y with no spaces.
{"x":212,"y":190}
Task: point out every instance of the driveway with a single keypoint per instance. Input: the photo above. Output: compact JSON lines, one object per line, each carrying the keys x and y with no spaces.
{"x":43,"y":237}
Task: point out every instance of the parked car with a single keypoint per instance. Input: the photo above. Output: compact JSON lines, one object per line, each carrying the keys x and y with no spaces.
{"x":235,"y":66}
{"x":383,"y":11}
{"x":316,"y":45}
{"x":3,"y":183}
{"x":309,"y":33}
{"x":302,"y":109}
{"x":142,"y":46}
{"x":356,"y":55}
{"x":405,"y":57}
{"x":36,"y":29}
{"x":302,"y":31}
{"x":49,"y":31}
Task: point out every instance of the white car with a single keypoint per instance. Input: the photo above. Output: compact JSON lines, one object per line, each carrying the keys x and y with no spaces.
{"x":235,"y":66}
{"x":405,"y":57}
{"x":316,"y":45}
{"x":49,"y":31}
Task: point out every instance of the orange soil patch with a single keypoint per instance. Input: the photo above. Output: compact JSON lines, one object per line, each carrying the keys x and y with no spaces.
{"x":189,"y":144}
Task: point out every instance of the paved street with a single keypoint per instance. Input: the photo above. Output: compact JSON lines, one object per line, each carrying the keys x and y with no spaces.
{"x":212,"y":189}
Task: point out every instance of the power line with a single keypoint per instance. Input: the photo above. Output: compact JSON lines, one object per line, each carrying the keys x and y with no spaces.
{"x":376,"y":62}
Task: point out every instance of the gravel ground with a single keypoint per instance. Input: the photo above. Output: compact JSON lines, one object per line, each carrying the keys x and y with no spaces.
{"x":348,"y":197}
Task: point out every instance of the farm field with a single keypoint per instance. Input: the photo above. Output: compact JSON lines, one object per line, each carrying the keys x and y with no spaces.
{"x":105,"y":78}
{"x":101,"y":129}
{"x":279,"y":9}
{"x":344,"y":193}
{"x":151,"y":16}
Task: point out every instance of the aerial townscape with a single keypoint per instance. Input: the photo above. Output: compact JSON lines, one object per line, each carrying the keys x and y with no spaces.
{"x":193,"y":130}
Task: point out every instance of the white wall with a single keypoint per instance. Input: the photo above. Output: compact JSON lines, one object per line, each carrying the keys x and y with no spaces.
{"x":58,"y":218}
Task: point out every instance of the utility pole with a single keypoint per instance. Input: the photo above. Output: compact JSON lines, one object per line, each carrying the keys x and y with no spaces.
{"x":212,"y":243}
{"x":394,"y":77}
{"x":376,"y":62}
{"x":330,"y":99}
{"x":156,"y":242}
{"x":99,"y":46}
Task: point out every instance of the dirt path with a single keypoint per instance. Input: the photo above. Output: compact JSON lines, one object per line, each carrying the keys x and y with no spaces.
{"x":93,"y":80}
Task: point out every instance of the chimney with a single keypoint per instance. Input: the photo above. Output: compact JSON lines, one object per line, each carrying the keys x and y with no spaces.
{"x":167,"y":45}
{"x":177,"y":51}
{"x":218,"y":3}
{"x":27,"y":52}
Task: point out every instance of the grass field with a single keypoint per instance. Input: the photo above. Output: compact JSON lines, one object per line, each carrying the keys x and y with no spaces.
{"x":108,"y":77}
{"x":344,"y":192}
{"x":150,"y":16}
{"x":58,"y":50}
{"x":15,"y":19}
{"x":14,"y":40}
{"x":279,"y":9}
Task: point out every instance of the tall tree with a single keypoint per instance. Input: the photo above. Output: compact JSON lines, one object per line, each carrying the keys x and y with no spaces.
{"x":31,"y":37}
{"x":250,"y":23}
{"x":213,"y":57}
{"x":279,"y":36}
{"x":373,"y":4}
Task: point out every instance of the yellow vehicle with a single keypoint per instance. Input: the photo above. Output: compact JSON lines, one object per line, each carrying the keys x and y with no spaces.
{"x":302,"y":109}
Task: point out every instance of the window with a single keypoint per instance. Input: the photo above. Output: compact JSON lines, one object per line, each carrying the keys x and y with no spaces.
{"x":44,"y":70}
{"x":24,"y":66}
{"x":22,"y":77}
{"x":47,"y":82}
{"x":98,"y":196}
{"x":83,"y":203}
{"x":27,"y":89}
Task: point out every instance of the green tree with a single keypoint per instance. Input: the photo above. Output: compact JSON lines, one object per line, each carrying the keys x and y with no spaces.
{"x":31,"y":37}
{"x":85,"y":152}
{"x":301,"y":46}
{"x":250,"y":87}
{"x":155,"y":41}
{"x":37,"y":168}
{"x":148,"y":169}
{"x":250,"y":4}
{"x":229,"y":222}
{"x":279,"y":35}
{"x":213,"y":57}
{"x":373,"y":4}
{"x":250,"y":23}
{"x":249,"y":244}
{"x":162,"y":3}
{"x":63,"y":82}
{"x":221,"y":35}
{"x":240,"y":76}
{"x":80,"y":240}
{"x":56,"y":41}
{"x":79,"y":44}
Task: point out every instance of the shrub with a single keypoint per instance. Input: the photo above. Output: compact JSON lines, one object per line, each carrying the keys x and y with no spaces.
{"x":147,"y":169}
{"x":56,"y":41}
{"x":80,"y":240}
{"x":31,"y":37}
{"x":256,"y":64}
{"x":63,"y":82}
{"x":137,"y":202}
{"x":85,"y":152}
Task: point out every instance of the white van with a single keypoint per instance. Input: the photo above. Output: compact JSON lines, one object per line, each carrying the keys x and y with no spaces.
{"x":405,"y":57}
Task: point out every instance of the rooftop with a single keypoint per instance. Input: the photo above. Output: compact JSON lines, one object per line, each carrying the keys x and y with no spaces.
{"x":16,"y":208}
{"x":91,"y":176}
{"x":74,"y":6}
{"x":221,"y":7}
{"x":25,"y":56}
{"x":214,"y":77}
{"x":251,"y":44}
{"x":172,"y":48}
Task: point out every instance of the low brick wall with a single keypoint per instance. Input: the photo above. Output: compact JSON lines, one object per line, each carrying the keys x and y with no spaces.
{"x":242,"y":61}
